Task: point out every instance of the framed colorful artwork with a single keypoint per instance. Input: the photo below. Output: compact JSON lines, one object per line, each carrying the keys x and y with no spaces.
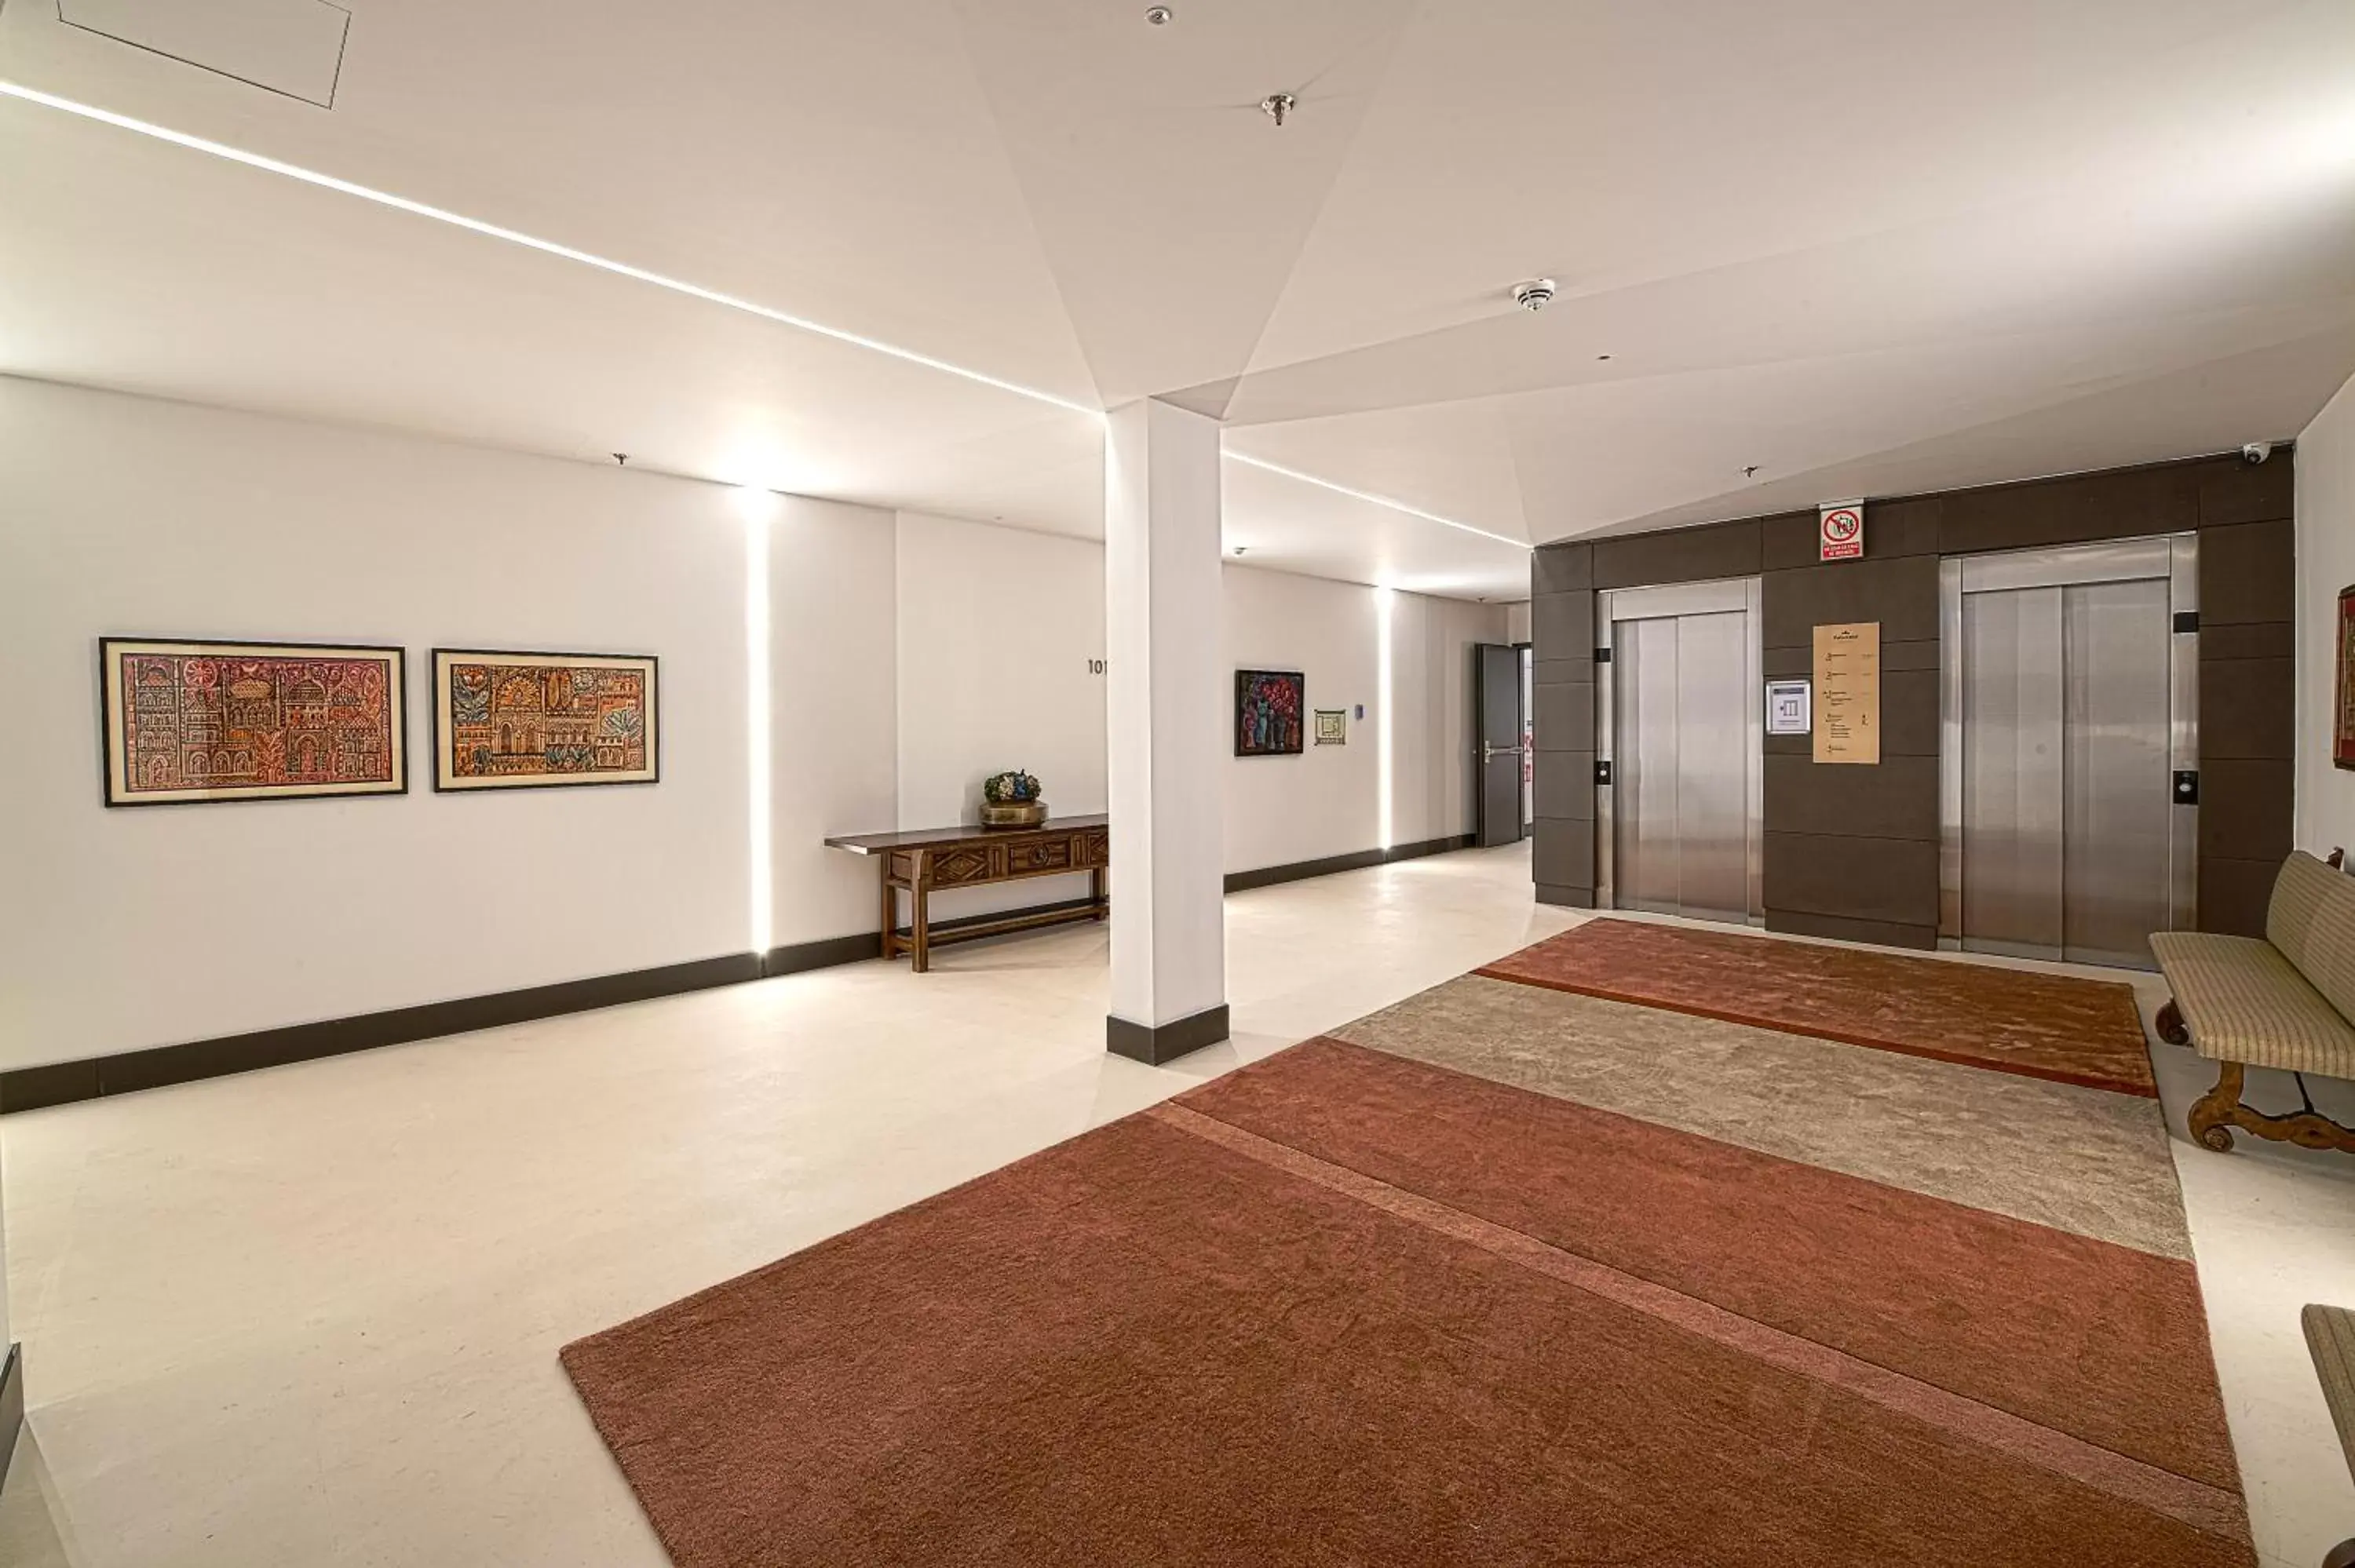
{"x":1332,"y":726}
{"x":1270,"y":705}
{"x":526,"y":720}
{"x":190,"y":721}
{"x":2342,"y":737}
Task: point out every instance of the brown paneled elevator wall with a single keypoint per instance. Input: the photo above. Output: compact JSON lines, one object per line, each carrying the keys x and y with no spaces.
{"x":1852,"y":851}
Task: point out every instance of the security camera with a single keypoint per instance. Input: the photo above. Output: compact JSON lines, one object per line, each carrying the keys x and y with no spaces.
{"x":2257,"y":451}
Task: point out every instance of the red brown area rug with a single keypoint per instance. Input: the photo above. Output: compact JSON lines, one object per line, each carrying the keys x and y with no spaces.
{"x":2045,"y":1026}
{"x":1343,"y":1308}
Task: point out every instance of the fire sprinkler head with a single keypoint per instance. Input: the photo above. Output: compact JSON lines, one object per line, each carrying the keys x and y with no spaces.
{"x":1158,"y":16}
{"x":1276,"y":105}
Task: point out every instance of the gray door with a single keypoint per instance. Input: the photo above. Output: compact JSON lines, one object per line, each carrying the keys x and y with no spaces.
{"x":2065,"y":840}
{"x":1497,"y":676}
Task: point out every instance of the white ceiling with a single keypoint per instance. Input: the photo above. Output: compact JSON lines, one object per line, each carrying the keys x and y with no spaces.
{"x":1866,"y":248}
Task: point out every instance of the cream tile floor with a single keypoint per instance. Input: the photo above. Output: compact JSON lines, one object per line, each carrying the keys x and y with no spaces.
{"x":311,"y":1316}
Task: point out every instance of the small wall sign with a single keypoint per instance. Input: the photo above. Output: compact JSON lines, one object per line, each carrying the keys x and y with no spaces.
{"x":1789,"y":708}
{"x":1332,"y":726}
{"x":1839,"y":531}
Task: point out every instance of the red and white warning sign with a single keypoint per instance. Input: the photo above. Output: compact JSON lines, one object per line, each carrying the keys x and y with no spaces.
{"x":1839,"y":531}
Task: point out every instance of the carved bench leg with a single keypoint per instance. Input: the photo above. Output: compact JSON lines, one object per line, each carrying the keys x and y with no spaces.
{"x":2172,"y":1027}
{"x":2211,"y":1120}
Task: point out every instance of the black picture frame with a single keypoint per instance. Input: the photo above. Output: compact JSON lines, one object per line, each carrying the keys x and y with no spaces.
{"x":119,"y":795}
{"x":1291,"y":738}
{"x":438,"y":702}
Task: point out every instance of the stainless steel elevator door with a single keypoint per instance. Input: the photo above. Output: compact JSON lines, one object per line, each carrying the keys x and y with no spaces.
{"x":1680,"y":813}
{"x":2116,"y":795}
{"x":2065,"y":771}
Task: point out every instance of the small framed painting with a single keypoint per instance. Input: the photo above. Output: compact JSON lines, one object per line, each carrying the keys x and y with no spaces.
{"x":528,"y":721}
{"x":190,"y":721}
{"x":1332,"y":726}
{"x":1270,"y":708}
{"x":2342,"y":737}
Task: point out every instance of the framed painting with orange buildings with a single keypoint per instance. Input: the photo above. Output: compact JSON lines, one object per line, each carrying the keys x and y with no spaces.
{"x":188,"y":721}
{"x":522,"y":721}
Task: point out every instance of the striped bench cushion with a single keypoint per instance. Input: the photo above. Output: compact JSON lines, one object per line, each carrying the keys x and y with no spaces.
{"x":2243,"y":1002}
{"x":2311,"y":918}
{"x":2330,"y":1335}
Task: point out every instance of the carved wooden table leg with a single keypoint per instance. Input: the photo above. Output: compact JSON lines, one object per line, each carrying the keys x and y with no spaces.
{"x":890,"y":909}
{"x":2172,"y":1027}
{"x":2211,"y":1120}
{"x":921,"y":920}
{"x":1096,"y":893}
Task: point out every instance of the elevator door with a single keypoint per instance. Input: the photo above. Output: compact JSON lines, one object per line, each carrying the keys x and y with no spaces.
{"x":1679,"y":812}
{"x":2069,"y":704}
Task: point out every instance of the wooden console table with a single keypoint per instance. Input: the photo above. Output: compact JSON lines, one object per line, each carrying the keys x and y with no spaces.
{"x":920,"y":862}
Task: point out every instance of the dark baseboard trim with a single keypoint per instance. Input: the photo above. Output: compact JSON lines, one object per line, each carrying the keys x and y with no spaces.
{"x":821,"y":954}
{"x":1567,"y":897}
{"x":63,"y":1083}
{"x":31,"y":1089}
{"x":1301,"y":870}
{"x":12,"y":1406}
{"x":1154,"y":1045}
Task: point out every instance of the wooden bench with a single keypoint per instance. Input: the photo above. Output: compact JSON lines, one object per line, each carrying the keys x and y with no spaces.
{"x":2282,"y":1002}
{"x":2331,"y":1336}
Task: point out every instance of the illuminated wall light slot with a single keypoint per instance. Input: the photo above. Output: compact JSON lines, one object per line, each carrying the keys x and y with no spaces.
{"x":1373,"y":499}
{"x":758,"y":507}
{"x":1384,"y":602}
{"x":528,"y":241}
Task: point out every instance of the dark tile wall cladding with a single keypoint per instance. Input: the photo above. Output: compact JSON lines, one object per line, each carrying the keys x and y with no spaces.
{"x":1853,"y":852}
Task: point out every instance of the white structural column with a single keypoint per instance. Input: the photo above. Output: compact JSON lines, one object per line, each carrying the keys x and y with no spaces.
{"x":1166,"y":731}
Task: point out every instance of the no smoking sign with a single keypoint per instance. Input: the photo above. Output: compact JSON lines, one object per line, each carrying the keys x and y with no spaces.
{"x":1840,"y":532}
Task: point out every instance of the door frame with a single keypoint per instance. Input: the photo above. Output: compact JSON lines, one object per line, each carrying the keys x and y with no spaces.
{"x":1718,"y":597}
{"x":2172,"y":556}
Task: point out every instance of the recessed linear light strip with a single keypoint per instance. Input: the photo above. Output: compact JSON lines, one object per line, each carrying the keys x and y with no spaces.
{"x":530,"y":242}
{"x":640,"y":274}
{"x":1378,"y":500}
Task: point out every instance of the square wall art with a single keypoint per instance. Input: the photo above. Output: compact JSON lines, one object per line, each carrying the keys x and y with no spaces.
{"x":522,"y":721}
{"x":1332,"y":726}
{"x":1270,"y":708}
{"x":190,"y":721}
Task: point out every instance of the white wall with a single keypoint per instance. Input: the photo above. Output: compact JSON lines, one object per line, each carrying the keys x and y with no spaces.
{"x":1433,"y":702}
{"x":1324,"y":802}
{"x":129,"y":928}
{"x":2325,"y":563}
{"x":1328,"y":802}
{"x":832,"y":736}
{"x":908,"y":657}
{"x":996,"y":628}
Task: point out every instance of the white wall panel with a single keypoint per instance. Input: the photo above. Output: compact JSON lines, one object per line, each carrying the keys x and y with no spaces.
{"x":131,"y":517}
{"x":997,"y":629}
{"x":2325,"y":563}
{"x":832,"y":732}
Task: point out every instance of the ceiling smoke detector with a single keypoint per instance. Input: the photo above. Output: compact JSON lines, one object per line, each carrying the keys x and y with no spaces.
{"x":1534,"y":295}
{"x":1158,"y":16}
{"x":1276,"y":105}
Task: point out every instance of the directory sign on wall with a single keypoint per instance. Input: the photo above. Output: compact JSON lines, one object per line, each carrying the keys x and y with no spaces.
{"x":1848,"y":693}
